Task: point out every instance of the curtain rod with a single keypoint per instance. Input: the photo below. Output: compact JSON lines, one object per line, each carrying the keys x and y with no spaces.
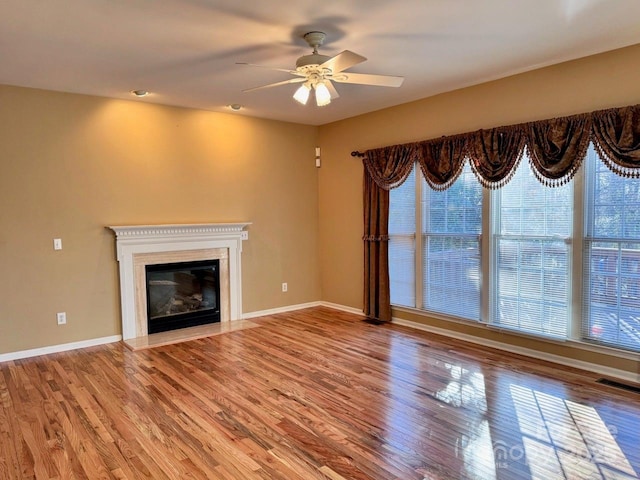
{"x":356,"y":153}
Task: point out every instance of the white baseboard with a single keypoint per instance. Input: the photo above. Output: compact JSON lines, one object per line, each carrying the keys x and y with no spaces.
{"x":273,"y":311}
{"x":344,"y":308}
{"x":35,"y":352}
{"x":528,"y":352}
{"x":300,"y":306}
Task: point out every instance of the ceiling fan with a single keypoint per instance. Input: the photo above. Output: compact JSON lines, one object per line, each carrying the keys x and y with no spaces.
{"x":317,"y":72}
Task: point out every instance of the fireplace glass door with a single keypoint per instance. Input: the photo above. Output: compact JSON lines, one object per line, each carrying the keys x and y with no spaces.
{"x":181,"y":295}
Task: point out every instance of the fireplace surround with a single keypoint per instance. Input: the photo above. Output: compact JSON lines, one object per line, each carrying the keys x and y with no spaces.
{"x":141,"y":245}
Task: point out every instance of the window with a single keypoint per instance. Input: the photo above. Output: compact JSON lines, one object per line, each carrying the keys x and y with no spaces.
{"x":525,"y":282}
{"x":532,"y":229}
{"x":402,"y":239}
{"x":451,"y":226}
{"x":611,"y":257}
{"x":448,"y":251}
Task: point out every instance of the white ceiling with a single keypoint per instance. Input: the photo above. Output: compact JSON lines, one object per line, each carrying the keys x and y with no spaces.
{"x":185,"y":51}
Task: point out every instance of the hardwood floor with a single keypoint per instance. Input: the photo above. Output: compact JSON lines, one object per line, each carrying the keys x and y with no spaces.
{"x":312,"y":394}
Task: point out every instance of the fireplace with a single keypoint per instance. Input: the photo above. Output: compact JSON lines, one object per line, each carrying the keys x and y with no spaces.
{"x":181,"y":295}
{"x":144,"y":248}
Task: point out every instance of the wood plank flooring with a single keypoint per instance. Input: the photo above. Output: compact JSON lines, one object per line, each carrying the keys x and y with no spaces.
{"x":312,"y":394}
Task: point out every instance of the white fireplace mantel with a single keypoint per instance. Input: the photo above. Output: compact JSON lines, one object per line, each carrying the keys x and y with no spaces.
{"x":134,"y":242}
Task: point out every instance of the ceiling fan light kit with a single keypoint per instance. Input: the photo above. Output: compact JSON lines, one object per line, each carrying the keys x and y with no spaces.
{"x":318,"y":71}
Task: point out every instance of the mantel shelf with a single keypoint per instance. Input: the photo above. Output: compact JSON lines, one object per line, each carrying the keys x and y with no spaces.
{"x":177,"y":229}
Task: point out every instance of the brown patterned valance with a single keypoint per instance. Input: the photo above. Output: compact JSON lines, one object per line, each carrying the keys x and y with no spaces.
{"x":389,"y":167}
{"x":616,"y":135}
{"x":555,"y":147}
{"x":441,"y":160}
{"x":495,"y":154}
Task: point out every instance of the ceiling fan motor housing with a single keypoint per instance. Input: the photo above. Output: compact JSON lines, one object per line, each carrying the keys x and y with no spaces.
{"x":314,"y":39}
{"x":312,"y":59}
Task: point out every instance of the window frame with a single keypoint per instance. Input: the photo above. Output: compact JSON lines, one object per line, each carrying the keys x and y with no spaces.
{"x":423,"y":211}
{"x":588,"y":236}
{"x":496,"y":236}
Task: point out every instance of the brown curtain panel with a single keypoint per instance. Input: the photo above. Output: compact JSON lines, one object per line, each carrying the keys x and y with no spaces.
{"x":616,"y":136}
{"x":442,"y":160}
{"x":557,"y":148}
{"x":385,"y":168}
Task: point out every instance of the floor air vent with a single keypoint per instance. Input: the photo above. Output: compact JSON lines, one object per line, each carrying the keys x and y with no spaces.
{"x":623,"y":386}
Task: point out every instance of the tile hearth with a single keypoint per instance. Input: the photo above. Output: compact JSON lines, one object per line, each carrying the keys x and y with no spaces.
{"x":186,"y":334}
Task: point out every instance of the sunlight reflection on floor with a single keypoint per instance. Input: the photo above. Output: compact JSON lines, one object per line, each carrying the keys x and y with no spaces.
{"x":561,"y":436}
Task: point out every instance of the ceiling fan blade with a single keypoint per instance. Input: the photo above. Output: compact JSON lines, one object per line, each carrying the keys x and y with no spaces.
{"x":368,"y":79}
{"x":285,"y":82}
{"x":342,"y":61}
{"x":293,"y":72}
{"x":332,"y":90}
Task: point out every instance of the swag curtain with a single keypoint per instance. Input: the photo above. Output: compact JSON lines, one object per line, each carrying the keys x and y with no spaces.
{"x":616,"y":135}
{"x":442,"y":160}
{"x":555,"y":147}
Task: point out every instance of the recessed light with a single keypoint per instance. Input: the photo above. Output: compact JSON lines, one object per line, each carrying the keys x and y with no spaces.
{"x":235,"y":107}
{"x":140,"y":93}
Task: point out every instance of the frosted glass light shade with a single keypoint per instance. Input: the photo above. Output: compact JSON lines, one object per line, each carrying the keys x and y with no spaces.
{"x":323,"y":97}
{"x":302,"y":94}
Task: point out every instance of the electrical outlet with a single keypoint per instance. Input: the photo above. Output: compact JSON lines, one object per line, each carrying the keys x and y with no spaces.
{"x":284,"y":287}
{"x":62,"y":318}
{"x":244,"y":235}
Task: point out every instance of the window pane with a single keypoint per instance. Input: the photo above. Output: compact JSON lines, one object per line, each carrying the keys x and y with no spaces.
{"x":612,"y":258}
{"x":402,"y":207}
{"x":452,"y":276}
{"x":530,"y":208}
{"x":402,"y":270}
{"x":531,"y":256}
{"x":451,"y":222}
{"x":457,"y":209}
{"x":402,"y":227}
{"x":532,"y":286}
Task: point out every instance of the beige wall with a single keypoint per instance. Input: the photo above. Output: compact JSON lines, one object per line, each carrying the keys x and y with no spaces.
{"x":72,"y":164}
{"x":585,"y":85}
